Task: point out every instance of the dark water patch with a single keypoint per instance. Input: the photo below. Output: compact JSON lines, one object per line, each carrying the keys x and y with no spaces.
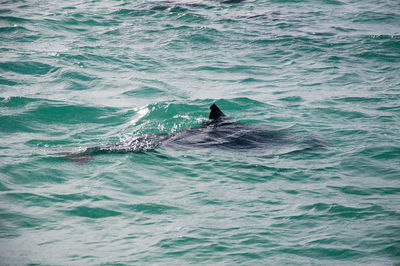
{"x":182,"y":13}
{"x":82,"y":23}
{"x":57,"y":26}
{"x":384,"y":37}
{"x":354,"y":213}
{"x":144,"y":91}
{"x":134,"y":12}
{"x":7,"y":82}
{"x":27,"y":173}
{"x":333,"y":2}
{"x":389,"y":108}
{"x":353,"y":132}
{"x":232,"y":1}
{"x":171,"y":8}
{"x":78,"y":80}
{"x":29,"y":199}
{"x":246,"y":172}
{"x":76,"y":86}
{"x":322,"y":211}
{"x":343,"y":79}
{"x":158,"y":85}
{"x":241,"y":104}
{"x":89,"y":58}
{"x":14,"y":111}
{"x":7,"y":230}
{"x":382,"y":152}
{"x":252,"y":80}
{"x":284,"y":40}
{"x":193,"y":37}
{"x":12,"y":124}
{"x":15,"y":221}
{"x":5,"y":11}
{"x":13,"y":29}
{"x":92,"y":212}
{"x":13,"y":19}
{"x":322,"y":253}
{"x":113,"y":32}
{"x":26,"y":38}
{"x":322,"y":34}
{"x":362,"y":191}
{"x":79,"y":76}
{"x":16,"y":102}
{"x":246,"y":256}
{"x":77,"y":197}
{"x":334,"y":59}
{"x":375,"y":17}
{"x":211,"y":202}
{"x":342,"y":113}
{"x":387,"y":118}
{"x":389,"y":44}
{"x":92,"y":22}
{"x":248,"y":69}
{"x":312,"y":84}
{"x":200,"y":38}
{"x":391,"y":249}
{"x":286,"y":1}
{"x":292,"y":99}
{"x":386,"y":170}
{"x":344,"y":29}
{"x":163,"y":7}
{"x":142,"y":62}
{"x":192,"y":18}
{"x":358,"y":99}
{"x":3,"y":185}
{"x":254,"y":239}
{"x":316,"y":207}
{"x":27,"y":67}
{"x":378,"y":56}
{"x":271,"y":16}
{"x":182,"y":242}
{"x":153,"y":208}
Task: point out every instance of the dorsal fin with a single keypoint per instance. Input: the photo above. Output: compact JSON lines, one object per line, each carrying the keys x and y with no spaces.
{"x":215,"y":112}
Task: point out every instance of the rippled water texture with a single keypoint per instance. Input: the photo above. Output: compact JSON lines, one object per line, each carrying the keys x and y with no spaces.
{"x":80,"y":74}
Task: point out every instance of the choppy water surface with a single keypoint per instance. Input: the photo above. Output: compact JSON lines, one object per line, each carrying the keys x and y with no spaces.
{"x":77,"y":74}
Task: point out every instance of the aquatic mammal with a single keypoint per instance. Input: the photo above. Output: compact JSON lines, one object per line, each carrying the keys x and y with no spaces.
{"x":216,"y":132}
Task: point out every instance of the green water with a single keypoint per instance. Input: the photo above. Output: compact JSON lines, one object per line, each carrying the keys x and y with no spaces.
{"x":77,"y":74}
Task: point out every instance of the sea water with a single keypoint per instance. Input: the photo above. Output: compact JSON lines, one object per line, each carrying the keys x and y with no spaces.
{"x":76,"y":74}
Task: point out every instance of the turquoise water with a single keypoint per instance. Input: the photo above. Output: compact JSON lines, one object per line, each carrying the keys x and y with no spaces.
{"x":77,"y":74}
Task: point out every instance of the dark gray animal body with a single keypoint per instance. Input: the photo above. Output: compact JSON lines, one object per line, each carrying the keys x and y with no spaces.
{"x":218,"y":132}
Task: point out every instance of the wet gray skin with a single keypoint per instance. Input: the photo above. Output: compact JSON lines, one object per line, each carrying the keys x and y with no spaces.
{"x":217,"y":132}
